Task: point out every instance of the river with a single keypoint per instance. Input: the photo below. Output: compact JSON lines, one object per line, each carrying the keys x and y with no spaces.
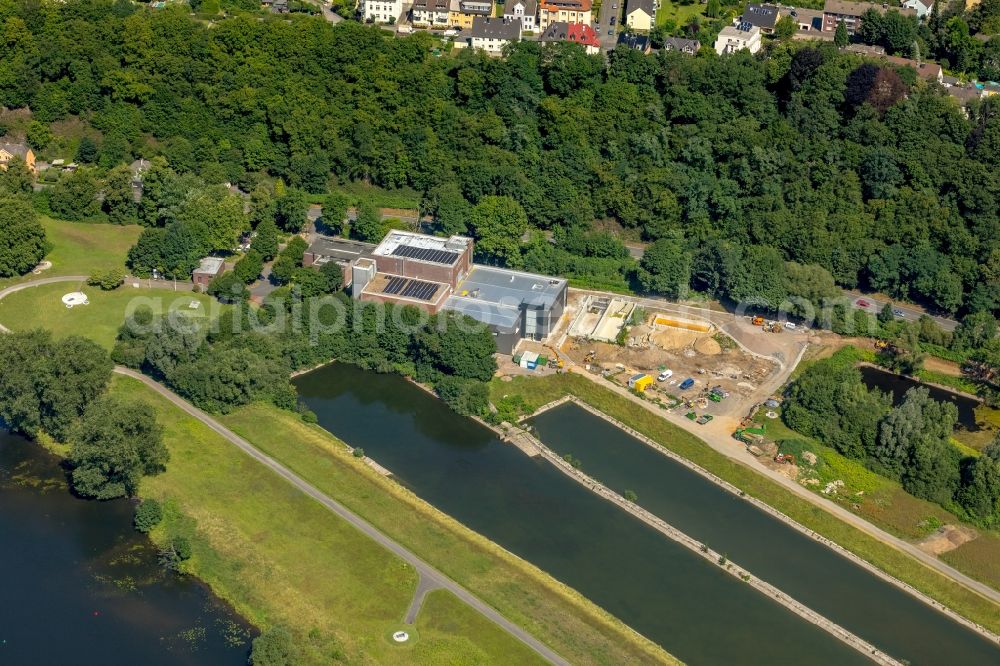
{"x":667,"y":593}
{"x":80,"y":586}
{"x":810,"y":572}
{"x":897,"y":386}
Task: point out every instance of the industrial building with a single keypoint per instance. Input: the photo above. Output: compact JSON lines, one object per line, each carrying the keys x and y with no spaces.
{"x":438,"y":274}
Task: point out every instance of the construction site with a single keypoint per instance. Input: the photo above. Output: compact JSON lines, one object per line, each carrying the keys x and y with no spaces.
{"x":685,"y":362}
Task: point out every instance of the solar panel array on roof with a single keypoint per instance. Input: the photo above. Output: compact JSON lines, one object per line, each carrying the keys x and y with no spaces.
{"x":426,"y":254}
{"x":417,"y":289}
{"x":394,"y":285}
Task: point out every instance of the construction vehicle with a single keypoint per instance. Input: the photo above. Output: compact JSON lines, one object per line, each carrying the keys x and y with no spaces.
{"x":748,"y":419}
{"x":785,"y":458}
{"x":715,"y":397}
{"x":590,"y":357}
{"x":556,"y":363}
{"x":705,"y":418}
{"x":774,"y":327}
{"x":691,"y":415}
{"x":750,"y":435}
{"x":757,"y":321}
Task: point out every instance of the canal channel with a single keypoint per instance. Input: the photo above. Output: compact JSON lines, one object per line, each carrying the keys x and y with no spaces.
{"x":897,"y":386}
{"x":80,"y":586}
{"x":812,"y":573}
{"x":674,"y":597}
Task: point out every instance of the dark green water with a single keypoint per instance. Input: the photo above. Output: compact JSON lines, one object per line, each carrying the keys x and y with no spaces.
{"x":669,"y":594}
{"x":808,"y":571}
{"x":79,"y":586}
{"x":897,"y":386}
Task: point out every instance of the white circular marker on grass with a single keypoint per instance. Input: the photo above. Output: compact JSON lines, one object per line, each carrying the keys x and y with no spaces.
{"x":400,"y":637}
{"x":75,"y":298}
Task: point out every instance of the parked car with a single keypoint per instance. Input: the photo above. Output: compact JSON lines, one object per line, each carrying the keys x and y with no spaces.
{"x":862,"y":303}
{"x":611,"y":32}
{"x":665,"y":375}
{"x":898,"y":313}
{"x":612,"y":20}
{"x":790,"y":326}
{"x":686,"y":384}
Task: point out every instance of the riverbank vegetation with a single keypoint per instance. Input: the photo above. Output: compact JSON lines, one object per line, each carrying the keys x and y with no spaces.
{"x":57,"y":389}
{"x":573,"y":626}
{"x":526,"y":394}
{"x":284,"y":560}
{"x":910,"y":443}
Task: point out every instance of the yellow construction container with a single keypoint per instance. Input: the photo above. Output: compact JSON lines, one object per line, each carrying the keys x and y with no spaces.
{"x":639,"y":382}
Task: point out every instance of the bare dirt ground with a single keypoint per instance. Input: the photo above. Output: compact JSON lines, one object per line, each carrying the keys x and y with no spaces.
{"x":947,"y":537}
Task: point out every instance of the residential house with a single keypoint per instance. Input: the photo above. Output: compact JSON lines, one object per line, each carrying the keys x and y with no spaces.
{"x":686,"y":46}
{"x":808,"y":21}
{"x":431,"y":12}
{"x":740,"y":37}
{"x":462,"y":13}
{"x":381,"y":11}
{"x":279,"y":6}
{"x":762,"y":16}
{"x":640,"y":15}
{"x":209,"y":269}
{"x":631,"y":40}
{"x":493,"y":34}
{"x":9,"y":151}
{"x":569,"y":11}
{"x":928,"y":71}
{"x":921,"y":7}
{"x":835,"y":11}
{"x":525,"y":11}
{"x":576,"y":33}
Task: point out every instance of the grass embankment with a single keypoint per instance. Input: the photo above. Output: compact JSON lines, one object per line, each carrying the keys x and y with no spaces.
{"x":80,"y":248}
{"x":573,"y":626}
{"x":281,"y":558}
{"x":537,"y":391}
{"x":42,"y":307}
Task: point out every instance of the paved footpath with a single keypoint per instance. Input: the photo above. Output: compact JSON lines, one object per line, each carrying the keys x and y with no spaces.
{"x":430,"y":578}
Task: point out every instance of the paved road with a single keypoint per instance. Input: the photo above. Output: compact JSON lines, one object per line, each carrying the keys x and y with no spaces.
{"x":430,"y":578}
{"x":424,"y":585}
{"x":609,"y":8}
{"x":910,"y":312}
{"x":328,"y":14}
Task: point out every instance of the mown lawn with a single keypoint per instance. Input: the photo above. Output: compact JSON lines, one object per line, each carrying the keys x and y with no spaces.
{"x":537,"y":391}
{"x":79,"y":248}
{"x":42,"y":307}
{"x":573,"y":626}
{"x":283,"y":559}
{"x":678,"y":13}
{"x":978,"y":558}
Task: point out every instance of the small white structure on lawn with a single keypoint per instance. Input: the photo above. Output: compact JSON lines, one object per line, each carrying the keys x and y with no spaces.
{"x":400,"y":637}
{"x":75,"y":298}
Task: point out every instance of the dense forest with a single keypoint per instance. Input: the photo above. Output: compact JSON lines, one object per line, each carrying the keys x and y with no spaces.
{"x":760,"y":176}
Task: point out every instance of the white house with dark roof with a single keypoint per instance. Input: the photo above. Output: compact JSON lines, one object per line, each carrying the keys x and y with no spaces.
{"x":764,"y":17}
{"x":640,"y":14}
{"x":921,"y":7}
{"x":525,"y":11}
{"x":381,"y":11}
{"x":494,"y":33}
{"x":430,"y":12}
{"x":741,"y":37}
{"x":686,"y":46}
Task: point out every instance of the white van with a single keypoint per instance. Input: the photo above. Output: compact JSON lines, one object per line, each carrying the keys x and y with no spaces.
{"x":665,"y":375}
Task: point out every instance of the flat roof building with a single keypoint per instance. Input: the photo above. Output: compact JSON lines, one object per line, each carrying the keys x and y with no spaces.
{"x":513,"y":304}
{"x":437,"y":274}
{"x":341,"y":251}
{"x":208,"y":269}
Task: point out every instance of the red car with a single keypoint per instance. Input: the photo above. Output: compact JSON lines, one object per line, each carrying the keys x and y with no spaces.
{"x":862,"y":303}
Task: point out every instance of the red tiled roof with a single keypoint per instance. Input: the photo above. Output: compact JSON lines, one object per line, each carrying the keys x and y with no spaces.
{"x":567,"y":5}
{"x":582,"y":33}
